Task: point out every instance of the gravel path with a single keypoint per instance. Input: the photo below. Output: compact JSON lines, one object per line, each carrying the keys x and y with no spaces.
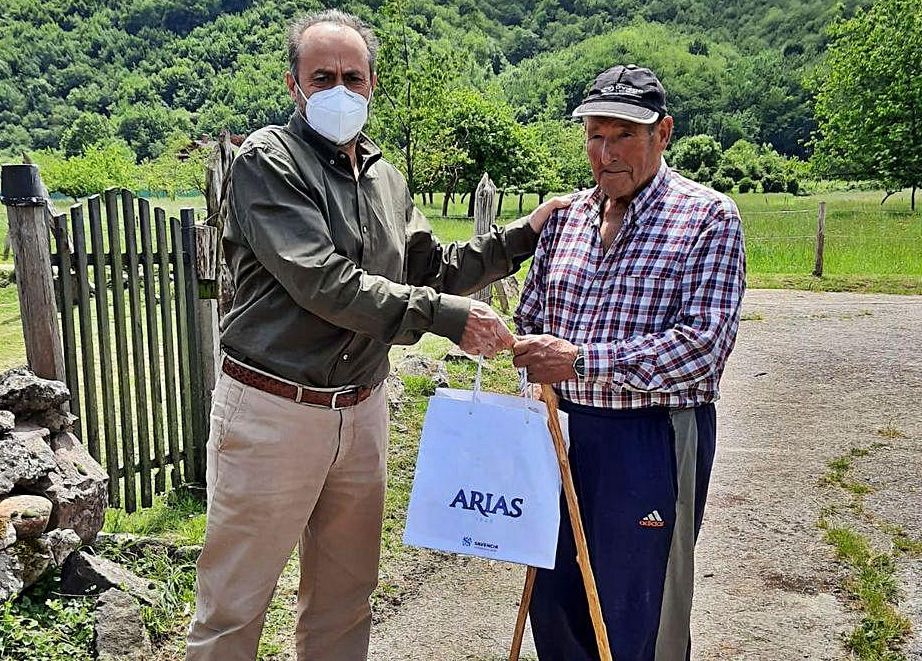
{"x":813,"y":375}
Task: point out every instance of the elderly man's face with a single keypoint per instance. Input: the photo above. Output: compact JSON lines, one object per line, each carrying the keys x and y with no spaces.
{"x":332,"y":55}
{"x":624,"y":156}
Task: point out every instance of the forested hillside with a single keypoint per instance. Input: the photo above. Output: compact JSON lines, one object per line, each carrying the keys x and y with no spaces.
{"x":141,"y":73}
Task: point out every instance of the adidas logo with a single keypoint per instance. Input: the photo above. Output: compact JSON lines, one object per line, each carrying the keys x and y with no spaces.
{"x":652,"y":520}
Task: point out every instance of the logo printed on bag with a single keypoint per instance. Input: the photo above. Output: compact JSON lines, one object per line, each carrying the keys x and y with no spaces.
{"x":486,"y":505}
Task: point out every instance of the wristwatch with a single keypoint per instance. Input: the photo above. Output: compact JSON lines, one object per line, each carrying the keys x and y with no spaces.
{"x":579,"y":363}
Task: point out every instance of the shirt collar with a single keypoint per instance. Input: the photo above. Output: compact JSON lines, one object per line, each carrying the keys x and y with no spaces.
{"x":366,"y":150}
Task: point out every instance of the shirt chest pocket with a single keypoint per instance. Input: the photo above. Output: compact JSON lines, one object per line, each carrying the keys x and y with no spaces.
{"x":649,"y":298}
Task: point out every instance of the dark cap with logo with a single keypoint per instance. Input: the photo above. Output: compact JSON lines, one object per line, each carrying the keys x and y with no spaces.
{"x":625,"y":92}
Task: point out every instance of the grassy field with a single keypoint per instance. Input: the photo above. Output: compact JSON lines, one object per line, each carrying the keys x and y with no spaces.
{"x":869,"y":247}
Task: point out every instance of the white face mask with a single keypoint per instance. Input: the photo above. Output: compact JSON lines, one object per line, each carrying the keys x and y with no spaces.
{"x":338,"y":114}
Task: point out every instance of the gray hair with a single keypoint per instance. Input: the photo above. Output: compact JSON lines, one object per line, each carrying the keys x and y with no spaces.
{"x":336,"y":17}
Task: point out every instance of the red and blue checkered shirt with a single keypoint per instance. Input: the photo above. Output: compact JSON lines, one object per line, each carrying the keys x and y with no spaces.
{"x":657,"y":314}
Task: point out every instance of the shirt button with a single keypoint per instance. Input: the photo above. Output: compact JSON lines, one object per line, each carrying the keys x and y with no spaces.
{"x":365,"y":229}
{"x":345,"y":356}
{"x":332,"y":161}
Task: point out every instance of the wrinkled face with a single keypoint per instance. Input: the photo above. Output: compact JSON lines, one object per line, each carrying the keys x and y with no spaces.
{"x":331,"y":55}
{"x":624,"y":156}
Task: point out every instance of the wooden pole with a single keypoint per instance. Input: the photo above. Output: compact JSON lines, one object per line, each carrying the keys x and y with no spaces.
{"x":576,"y":521}
{"x":523,"y":614}
{"x":21,"y":191}
{"x":820,"y":241}
{"x":216,"y":173}
{"x":483,"y":219}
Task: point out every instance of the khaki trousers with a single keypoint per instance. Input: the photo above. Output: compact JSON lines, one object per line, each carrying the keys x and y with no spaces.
{"x":281,"y":474}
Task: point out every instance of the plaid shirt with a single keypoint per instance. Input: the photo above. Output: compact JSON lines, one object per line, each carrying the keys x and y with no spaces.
{"x":657,"y":314}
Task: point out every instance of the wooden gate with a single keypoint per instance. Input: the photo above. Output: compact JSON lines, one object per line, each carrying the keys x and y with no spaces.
{"x":139,"y":340}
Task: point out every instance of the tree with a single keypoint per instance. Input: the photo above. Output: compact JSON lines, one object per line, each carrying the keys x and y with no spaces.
{"x":88,"y":130}
{"x":99,"y":168}
{"x":415,"y":77}
{"x":493,"y":141}
{"x":564,"y":142}
{"x":696,"y":154}
{"x":869,"y":97}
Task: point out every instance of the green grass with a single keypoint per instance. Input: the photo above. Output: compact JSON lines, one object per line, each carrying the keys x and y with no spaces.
{"x":871,"y":582}
{"x":862,"y":238}
{"x":178,"y":517}
{"x":12,"y":343}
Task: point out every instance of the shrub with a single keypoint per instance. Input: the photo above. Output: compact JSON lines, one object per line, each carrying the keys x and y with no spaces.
{"x":721,"y":183}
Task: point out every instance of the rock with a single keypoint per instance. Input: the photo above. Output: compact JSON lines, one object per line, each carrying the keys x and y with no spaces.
{"x":119,"y":629}
{"x":188,"y":554}
{"x":136,"y":545}
{"x":416,"y":365}
{"x":7,"y":422}
{"x":77,"y":488}
{"x":456,"y":355}
{"x":24,"y":457}
{"x":24,"y":393}
{"x":34,"y":557}
{"x":62,"y":542}
{"x":10,"y":575}
{"x":54,"y":420}
{"x":395,"y":391}
{"x":29,"y":514}
{"x":89,"y":574}
{"x":7,"y":533}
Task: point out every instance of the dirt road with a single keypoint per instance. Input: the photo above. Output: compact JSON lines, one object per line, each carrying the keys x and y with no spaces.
{"x":813,"y":375}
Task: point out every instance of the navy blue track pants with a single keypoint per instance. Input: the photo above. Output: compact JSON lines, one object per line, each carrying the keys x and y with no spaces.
{"x":641,"y":478}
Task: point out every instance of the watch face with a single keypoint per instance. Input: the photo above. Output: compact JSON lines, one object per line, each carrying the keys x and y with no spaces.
{"x":579,"y":365}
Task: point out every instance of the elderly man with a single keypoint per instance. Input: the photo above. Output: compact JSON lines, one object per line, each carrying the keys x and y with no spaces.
{"x":631,"y":308}
{"x":332,"y":265}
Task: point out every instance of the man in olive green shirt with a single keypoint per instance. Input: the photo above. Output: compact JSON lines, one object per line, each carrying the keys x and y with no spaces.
{"x":332,"y":264}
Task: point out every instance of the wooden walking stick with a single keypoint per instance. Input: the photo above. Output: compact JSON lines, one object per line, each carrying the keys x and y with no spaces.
{"x":523,"y":614}
{"x":582,"y":549}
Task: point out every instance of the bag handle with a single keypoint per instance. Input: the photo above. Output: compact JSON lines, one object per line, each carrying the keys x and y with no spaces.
{"x":478,"y":379}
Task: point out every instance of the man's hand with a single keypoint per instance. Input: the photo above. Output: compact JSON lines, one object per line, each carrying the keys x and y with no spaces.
{"x":547,"y":359}
{"x":540,"y":215}
{"x":485,"y":332}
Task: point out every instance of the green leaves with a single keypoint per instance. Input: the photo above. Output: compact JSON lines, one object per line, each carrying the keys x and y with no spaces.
{"x":869,"y":97}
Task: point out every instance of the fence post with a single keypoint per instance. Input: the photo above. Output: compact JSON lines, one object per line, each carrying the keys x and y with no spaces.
{"x":483,"y":218}
{"x":22,"y":192}
{"x":200,"y":246}
{"x":820,"y":241}
{"x":216,"y":172}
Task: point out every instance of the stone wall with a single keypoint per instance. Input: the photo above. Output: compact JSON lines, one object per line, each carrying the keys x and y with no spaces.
{"x":53,"y":494}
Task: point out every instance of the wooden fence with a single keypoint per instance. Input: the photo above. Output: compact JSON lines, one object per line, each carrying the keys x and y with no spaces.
{"x":139,"y":339}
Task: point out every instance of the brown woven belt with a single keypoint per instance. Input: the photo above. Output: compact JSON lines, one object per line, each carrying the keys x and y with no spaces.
{"x":338,"y":399}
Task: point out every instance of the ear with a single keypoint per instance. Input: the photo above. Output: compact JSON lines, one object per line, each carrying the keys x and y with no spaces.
{"x":292,"y":89}
{"x":664,"y":132}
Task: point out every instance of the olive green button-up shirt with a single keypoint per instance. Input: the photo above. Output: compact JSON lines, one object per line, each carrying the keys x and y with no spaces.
{"x":330,"y":270}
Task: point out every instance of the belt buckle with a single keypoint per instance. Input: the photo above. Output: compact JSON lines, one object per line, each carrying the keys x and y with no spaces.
{"x":349,"y":391}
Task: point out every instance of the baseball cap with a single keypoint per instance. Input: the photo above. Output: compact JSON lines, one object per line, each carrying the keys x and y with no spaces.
{"x":625,"y":92}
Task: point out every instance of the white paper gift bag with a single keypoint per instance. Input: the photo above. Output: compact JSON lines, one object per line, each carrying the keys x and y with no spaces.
{"x":487,"y":481}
